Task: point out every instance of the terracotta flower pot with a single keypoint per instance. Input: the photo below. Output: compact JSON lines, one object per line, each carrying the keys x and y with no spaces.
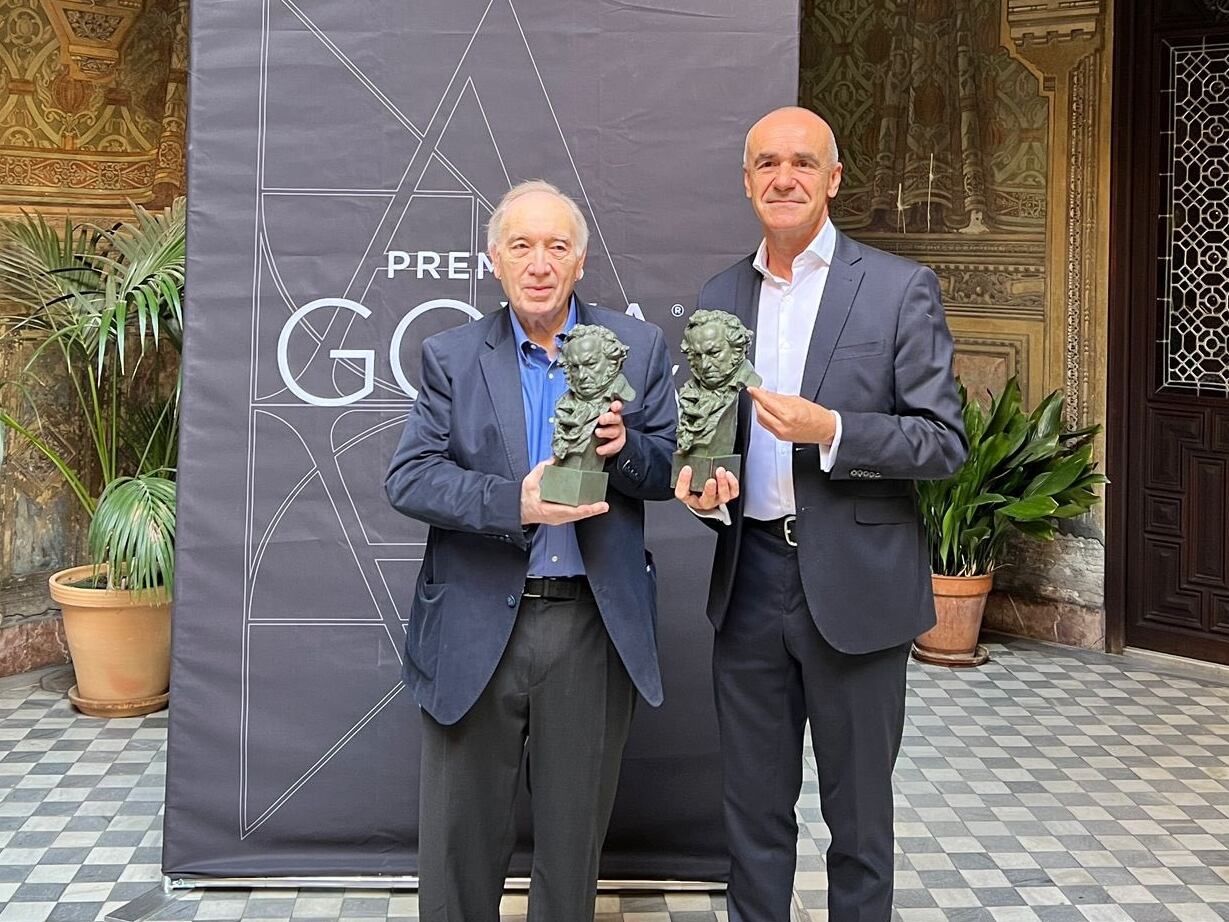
{"x":120,"y":645}
{"x":960,"y":602}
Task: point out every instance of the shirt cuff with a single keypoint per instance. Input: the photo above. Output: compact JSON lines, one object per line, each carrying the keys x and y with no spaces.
{"x":827,"y":454}
{"x":721,"y":514}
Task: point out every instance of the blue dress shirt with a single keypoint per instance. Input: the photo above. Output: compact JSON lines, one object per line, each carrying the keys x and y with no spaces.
{"x":553,"y":550}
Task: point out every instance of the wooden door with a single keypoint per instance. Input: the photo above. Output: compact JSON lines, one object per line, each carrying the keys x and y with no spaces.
{"x":1172,"y":274}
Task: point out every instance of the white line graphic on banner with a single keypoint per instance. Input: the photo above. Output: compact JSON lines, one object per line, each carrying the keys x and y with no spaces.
{"x":335,"y":340}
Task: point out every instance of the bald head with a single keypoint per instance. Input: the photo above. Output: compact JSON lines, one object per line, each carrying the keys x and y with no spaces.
{"x":794,"y":119}
{"x":790,"y":172}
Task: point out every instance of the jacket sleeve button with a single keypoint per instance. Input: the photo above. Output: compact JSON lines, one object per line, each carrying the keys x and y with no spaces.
{"x":512,"y":601}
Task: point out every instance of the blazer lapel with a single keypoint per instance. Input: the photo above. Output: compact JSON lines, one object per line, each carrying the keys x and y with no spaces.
{"x":503,"y":380}
{"x":844,"y":279}
{"x":746,"y":308}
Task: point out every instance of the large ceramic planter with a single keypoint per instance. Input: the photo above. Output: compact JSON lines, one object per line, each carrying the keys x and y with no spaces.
{"x":120,"y":645}
{"x":960,"y":602}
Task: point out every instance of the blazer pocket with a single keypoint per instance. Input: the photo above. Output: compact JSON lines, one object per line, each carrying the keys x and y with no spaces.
{"x":857,"y":350}
{"x":422,"y":636}
{"x":885,"y":510}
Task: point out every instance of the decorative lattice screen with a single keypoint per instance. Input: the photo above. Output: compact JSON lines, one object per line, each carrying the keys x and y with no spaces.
{"x":1195,"y":246}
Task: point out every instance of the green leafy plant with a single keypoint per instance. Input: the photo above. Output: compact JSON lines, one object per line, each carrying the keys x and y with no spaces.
{"x":1023,"y":474}
{"x":95,"y":303}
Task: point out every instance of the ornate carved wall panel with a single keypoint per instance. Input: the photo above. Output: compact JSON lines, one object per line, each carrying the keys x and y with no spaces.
{"x":91,"y":103}
{"x":974,"y":135}
{"x":941,"y":129}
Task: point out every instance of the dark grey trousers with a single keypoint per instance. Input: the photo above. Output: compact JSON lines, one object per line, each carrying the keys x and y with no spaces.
{"x":561,"y":700}
{"x":772,"y":671}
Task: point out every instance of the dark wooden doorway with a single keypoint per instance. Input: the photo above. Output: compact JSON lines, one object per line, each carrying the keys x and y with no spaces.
{"x":1168,"y":561}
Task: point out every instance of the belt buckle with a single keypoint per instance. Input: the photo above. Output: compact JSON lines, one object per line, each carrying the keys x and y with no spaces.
{"x":788,"y":530}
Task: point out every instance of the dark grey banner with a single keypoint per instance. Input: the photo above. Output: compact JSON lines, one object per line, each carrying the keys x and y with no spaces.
{"x":344,"y":158}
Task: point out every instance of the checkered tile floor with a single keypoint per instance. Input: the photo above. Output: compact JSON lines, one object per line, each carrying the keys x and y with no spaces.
{"x":1049,"y":785}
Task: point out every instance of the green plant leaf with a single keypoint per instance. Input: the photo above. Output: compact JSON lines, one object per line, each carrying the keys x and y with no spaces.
{"x":1029,"y":508}
{"x":132,"y":533}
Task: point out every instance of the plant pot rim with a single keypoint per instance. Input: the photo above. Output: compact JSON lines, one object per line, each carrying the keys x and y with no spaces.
{"x":82,"y":597}
{"x":980,"y":584}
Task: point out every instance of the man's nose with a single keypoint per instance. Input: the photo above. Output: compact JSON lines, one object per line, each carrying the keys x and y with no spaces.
{"x":538,"y":263}
{"x":784,"y":177}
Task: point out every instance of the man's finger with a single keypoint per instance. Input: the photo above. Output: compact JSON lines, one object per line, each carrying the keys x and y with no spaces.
{"x":535,"y":475}
{"x":606,"y":449}
{"x":763,"y":397}
{"x":584,"y":512}
{"x":731,"y":484}
{"x":609,"y":419}
{"x":682,"y":486}
{"x":768,"y":420}
{"x":616,"y":406}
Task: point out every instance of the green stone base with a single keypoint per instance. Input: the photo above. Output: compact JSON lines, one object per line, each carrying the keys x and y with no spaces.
{"x":571,"y":487}
{"x":703,"y":468}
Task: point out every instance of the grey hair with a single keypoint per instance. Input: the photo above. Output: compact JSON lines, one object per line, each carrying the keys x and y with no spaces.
{"x":495,"y":226}
{"x":833,"y":160}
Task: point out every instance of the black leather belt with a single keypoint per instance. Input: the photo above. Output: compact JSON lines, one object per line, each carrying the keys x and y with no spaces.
{"x":556,"y":588}
{"x":783,"y":528}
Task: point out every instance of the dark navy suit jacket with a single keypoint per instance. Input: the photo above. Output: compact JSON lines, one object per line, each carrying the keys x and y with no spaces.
{"x":881,"y":356}
{"x":459,"y":468}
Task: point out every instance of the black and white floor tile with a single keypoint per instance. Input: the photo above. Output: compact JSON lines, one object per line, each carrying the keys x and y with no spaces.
{"x":1047,"y":786}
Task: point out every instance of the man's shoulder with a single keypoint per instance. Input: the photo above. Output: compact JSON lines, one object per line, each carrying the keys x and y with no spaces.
{"x":465,"y":336}
{"x":730,"y":274}
{"x":879,"y":261}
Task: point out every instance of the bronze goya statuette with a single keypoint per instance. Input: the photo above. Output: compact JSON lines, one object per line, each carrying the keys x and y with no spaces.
{"x":716,"y":345}
{"x":592,"y":357}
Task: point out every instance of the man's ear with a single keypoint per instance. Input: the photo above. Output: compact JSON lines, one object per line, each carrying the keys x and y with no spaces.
{"x":494,"y":262}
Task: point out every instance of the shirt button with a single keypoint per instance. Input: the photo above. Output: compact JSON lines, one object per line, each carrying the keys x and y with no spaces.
{"x":551,"y":420}
{"x":554,"y":558}
{"x":550,"y":377}
{"x":512,"y":601}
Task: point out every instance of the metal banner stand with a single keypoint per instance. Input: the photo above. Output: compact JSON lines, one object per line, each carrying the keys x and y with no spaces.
{"x":170,"y":889}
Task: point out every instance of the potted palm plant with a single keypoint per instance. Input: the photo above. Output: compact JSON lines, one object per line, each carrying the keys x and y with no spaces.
{"x":1024,"y":473}
{"x":103,"y":308}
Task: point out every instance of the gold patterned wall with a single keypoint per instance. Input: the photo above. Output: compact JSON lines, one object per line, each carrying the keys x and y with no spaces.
{"x":973,"y":136}
{"x":92,"y":116}
{"x":92,"y":104}
{"x":975,"y":139}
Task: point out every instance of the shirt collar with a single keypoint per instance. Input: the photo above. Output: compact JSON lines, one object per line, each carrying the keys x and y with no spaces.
{"x":523,"y":341}
{"x":821,"y":248}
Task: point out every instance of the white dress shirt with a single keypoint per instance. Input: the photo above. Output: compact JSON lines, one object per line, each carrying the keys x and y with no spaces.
{"x":784,"y":324}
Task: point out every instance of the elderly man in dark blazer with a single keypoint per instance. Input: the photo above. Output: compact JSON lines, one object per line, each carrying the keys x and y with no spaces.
{"x":821,"y":578}
{"x":532,"y":625}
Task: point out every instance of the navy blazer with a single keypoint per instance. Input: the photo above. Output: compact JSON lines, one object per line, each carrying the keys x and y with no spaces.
{"x":881,"y":356}
{"x":459,"y":468}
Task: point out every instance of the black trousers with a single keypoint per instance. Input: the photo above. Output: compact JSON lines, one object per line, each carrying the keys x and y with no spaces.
{"x":560,"y":702}
{"x":772,"y":671}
